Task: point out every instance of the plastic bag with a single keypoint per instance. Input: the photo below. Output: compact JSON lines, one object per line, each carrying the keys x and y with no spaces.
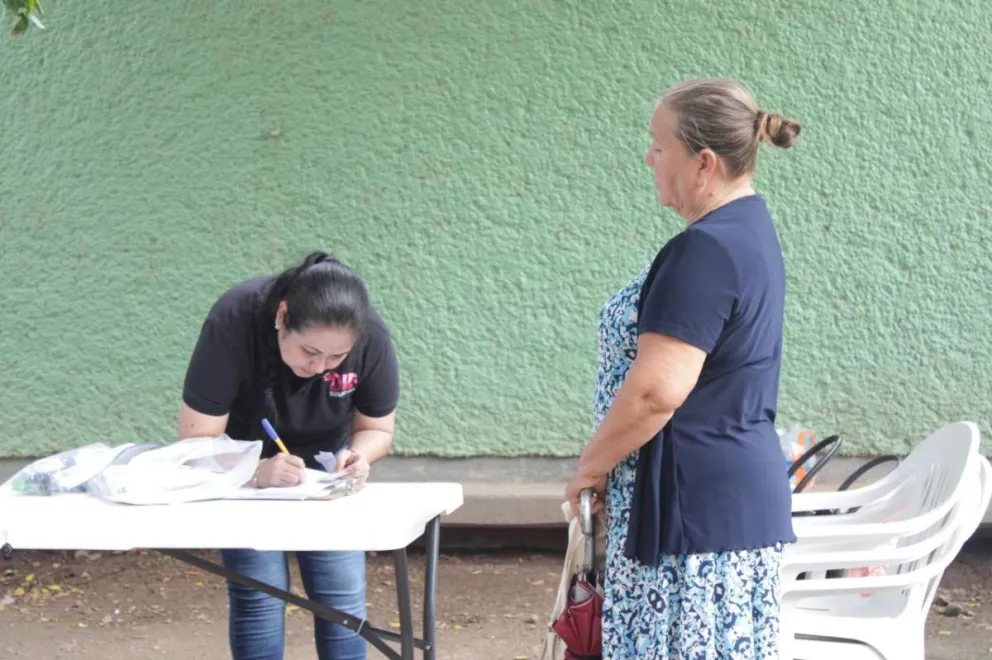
{"x":189,"y":470}
{"x":68,"y":471}
{"x":795,"y":441}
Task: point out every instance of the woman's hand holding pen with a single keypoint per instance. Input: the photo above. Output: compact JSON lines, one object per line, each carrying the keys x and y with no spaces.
{"x":280,"y":471}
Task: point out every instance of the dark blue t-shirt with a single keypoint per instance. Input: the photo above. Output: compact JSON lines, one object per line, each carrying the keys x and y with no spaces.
{"x":714,"y":479}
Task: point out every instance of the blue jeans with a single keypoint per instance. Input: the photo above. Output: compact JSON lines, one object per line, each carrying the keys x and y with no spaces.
{"x":257,"y":624}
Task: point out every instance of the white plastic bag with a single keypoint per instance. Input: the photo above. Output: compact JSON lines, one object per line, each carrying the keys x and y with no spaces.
{"x":68,"y":471}
{"x":189,"y":470}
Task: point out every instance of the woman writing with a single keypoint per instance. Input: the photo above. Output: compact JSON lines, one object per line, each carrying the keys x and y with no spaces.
{"x":306,"y":350}
{"x":685,"y":450}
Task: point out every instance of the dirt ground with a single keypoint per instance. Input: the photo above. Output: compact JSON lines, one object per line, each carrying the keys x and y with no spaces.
{"x":142,"y":605}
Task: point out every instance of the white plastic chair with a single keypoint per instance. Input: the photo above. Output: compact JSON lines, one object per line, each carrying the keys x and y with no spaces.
{"x":882,"y":617}
{"x":912,"y":497}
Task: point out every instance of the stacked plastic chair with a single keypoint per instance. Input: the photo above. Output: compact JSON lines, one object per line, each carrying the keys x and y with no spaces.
{"x":859,"y":582}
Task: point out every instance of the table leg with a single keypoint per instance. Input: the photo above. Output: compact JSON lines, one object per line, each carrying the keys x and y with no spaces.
{"x":430,"y":587}
{"x":403,"y":600}
{"x":373,"y":635}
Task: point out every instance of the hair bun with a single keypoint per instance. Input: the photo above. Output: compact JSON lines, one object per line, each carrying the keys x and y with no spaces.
{"x":776,"y":130}
{"x":315,"y":258}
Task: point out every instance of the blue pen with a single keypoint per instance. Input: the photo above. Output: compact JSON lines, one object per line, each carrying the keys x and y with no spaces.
{"x":275,"y":436}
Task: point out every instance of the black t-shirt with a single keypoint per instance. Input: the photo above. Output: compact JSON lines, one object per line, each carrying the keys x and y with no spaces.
{"x":236,"y":360}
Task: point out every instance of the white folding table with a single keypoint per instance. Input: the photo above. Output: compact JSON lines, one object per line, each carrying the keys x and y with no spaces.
{"x":381,"y":517}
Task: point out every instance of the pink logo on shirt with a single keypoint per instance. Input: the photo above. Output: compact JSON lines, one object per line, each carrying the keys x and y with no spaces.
{"x":339,"y":385}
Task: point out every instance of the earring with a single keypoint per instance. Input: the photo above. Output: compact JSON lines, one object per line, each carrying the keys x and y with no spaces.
{"x":277,"y":326}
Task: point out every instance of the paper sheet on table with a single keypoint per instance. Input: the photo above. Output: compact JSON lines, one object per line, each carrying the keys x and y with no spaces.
{"x":317,"y":485}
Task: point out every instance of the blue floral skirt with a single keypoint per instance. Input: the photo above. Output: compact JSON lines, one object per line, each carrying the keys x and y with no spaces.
{"x":716,"y":606}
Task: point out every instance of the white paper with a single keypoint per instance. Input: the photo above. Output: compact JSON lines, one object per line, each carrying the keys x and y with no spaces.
{"x":319,"y":486}
{"x":328,"y":459}
{"x":322,"y":477}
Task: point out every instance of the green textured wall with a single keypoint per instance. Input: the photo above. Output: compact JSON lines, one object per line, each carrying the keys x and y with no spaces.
{"x":481,"y":163}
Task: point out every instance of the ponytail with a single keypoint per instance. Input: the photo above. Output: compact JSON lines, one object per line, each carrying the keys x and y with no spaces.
{"x":277,"y":292}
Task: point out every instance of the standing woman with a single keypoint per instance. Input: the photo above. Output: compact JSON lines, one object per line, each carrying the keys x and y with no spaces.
{"x":306,"y":350}
{"x":685,"y":450}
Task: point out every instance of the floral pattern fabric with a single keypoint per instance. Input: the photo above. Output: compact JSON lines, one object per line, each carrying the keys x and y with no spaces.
{"x":715,"y":606}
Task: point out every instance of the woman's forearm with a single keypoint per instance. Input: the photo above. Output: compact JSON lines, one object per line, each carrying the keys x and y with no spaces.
{"x":633,"y":419}
{"x":373,"y":444}
{"x":662,"y":376}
